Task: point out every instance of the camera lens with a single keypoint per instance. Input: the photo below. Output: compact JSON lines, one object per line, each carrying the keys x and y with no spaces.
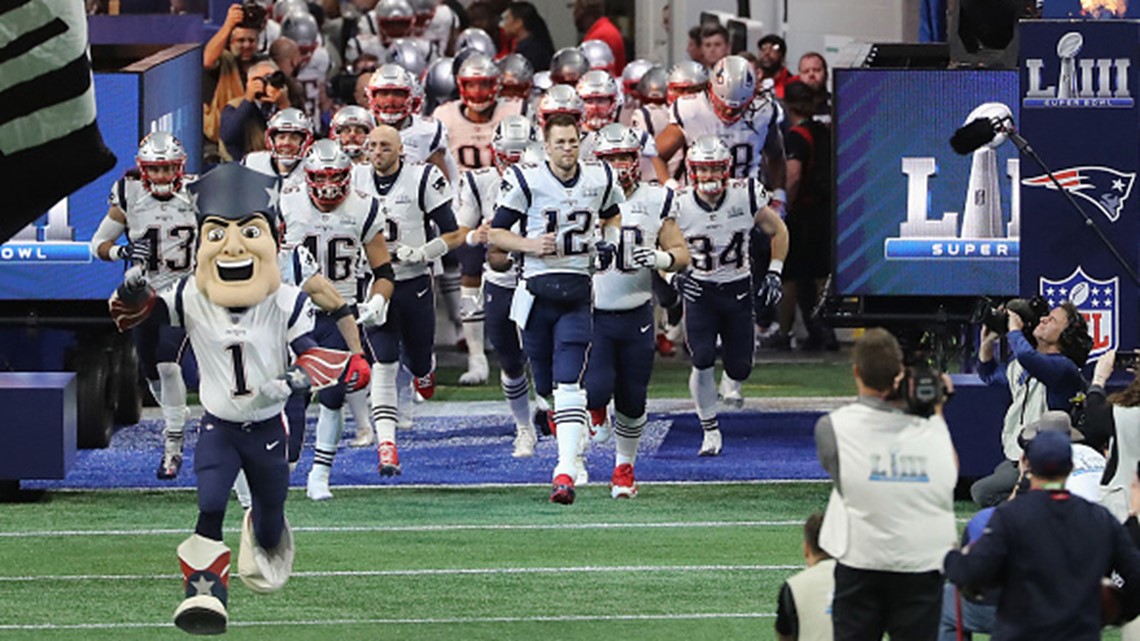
{"x":276,"y":79}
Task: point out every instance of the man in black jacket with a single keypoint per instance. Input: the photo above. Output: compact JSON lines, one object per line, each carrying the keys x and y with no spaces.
{"x":1048,"y":551}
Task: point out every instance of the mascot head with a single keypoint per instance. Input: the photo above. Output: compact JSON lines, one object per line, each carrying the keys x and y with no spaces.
{"x":237,"y":236}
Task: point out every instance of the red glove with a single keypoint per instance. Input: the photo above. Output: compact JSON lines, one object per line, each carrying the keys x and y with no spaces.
{"x":358,"y":373}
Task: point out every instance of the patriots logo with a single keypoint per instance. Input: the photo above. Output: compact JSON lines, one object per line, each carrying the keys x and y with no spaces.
{"x":1106,"y":188}
{"x":1097,"y":302}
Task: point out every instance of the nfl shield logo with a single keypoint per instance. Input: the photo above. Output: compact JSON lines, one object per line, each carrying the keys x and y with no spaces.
{"x":1096,"y":300}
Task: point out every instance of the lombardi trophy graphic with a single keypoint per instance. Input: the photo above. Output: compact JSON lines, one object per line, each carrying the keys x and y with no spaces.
{"x":982,"y":216}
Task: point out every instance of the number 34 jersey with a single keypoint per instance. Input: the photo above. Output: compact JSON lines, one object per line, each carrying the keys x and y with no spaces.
{"x":334,"y":238}
{"x":625,"y":285}
{"x":718,"y":236}
{"x":569,"y":210}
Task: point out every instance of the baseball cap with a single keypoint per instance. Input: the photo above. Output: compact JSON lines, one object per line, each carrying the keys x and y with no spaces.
{"x":1051,"y":421}
{"x":1050,"y":454}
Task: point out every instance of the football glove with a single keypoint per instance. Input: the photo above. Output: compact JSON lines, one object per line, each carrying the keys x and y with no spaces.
{"x":358,"y":373}
{"x":374,"y":312}
{"x":652,"y":258}
{"x":687,"y":286}
{"x":605,"y":254}
{"x":771,"y":290}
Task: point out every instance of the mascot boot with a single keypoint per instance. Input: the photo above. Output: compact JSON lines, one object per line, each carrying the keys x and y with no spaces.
{"x":206,"y":579}
{"x":264,"y":570}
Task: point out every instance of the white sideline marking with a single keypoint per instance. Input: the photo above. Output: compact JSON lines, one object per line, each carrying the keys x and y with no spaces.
{"x":567,"y":618}
{"x":592,"y":569}
{"x":422,"y":528}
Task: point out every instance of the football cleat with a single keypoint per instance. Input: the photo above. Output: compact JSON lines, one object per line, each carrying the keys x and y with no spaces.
{"x":425,"y":385}
{"x":582,"y":475}
{"x":711,"y":444}
{"x":317,"y":486}
{"x":389,"y":459}
{"x":729,"y":393}
{"x":543,"y":421}
{"x":563,"y":492}
{"x":477,"y":370}
{"x":622,"y":483}
{"x":600,"y":430}
{"x":171,"y":461}
{"x":525,"y":440}
{"x":365,"y":436}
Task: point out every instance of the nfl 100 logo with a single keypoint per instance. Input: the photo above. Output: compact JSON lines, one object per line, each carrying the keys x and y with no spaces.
{"x":1095,"y":299}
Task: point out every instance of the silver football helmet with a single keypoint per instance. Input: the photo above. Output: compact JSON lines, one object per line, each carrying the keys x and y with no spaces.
{"x":302,"y":28}
{"x":512,"y":135}
{"x":282,"y":8}
{"x":568,"y":66}
{"x":559,"y":99}
{"x":394,"y":18}
{"x":600,"y":97}
{"x":439,"y":83}
{"x":158,"y":151}
{"x":518,"y":76}
{"x":350,"y":127}
{"x":652,"y":89}
{"x":477,"y":39}
{"x":479,"y":80}
{"x":632,"y":75}
{"x":733,"y":87}
{"x":685,"y":78}
{"x":709,"y":162}
{"x":424,"y":11}
{"x":328,"y":173}
{"x":290,"y":120}
{"x":542,"y":82}
{"x":390,"y":94}
{"x":406,"y":53}
{"x":598,"y":54}
{"x":620,"y":146}
{"x":535,"y":153}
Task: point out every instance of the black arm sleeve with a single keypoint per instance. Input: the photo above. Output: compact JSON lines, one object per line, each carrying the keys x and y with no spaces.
{"x":505,"y":218}
{"x":444,"y":218}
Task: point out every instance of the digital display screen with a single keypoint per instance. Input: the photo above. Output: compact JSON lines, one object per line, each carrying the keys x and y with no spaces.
{"x":51,"y":258}
{"x":914,"y":218}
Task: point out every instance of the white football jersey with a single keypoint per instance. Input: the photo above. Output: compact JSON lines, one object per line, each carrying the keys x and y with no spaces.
{"x":334,"y":238}
{"x":470,"y":142}
{"x":718,"y":238}
{"x":653,"y":119}
{"x":478,"y":191}
{"x":262,"y":162}
{"x":297,"y":265}
{"x":745,"y":137}
{"x":422,"y":137}
{"x":171,"y":225}
{"x":239,"y":352}
{"x":569,"y":210}
{"x":418,"y":190}
{"x":311,"y":77}
{"x":624,"y":285}
{"x":439,"y":30}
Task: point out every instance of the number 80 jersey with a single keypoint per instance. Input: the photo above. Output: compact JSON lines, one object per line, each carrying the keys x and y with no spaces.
{"x":718,"y":237}
{"x":624,"y":285}
{"x":567,"y":209}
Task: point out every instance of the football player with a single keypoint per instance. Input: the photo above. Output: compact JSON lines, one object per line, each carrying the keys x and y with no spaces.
{"x":567,"y":66}
{"x":555,"y":203}
{"x":313,"y":67}
{"x":376,"y":29}
{"x":390,"y":100}
{"x":621,"y":348}
{"x":715,"y":215}
{"x":478,"y":191}
{"x":688,"y":78}
{"x":601,"y":101}
{"x":335,"y":224}
{"x":411,"y":196}
{"x":287,"y":136}
{"x":350,"y":127}
{"x":152,"y":206}
{"x":630,"y":77}
{"x":518,"y":78}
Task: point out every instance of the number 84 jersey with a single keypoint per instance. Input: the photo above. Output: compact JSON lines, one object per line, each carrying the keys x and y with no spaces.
{"x":718,"y":236}
{"x":624,"y":285}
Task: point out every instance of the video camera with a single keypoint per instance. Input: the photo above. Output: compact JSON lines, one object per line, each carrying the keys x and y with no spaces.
{"x":253,"y":16}
{"x":921,"y":389}
{"x":1030,"y":310}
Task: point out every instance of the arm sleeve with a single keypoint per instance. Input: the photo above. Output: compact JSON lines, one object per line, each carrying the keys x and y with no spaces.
{"x":1053,"y":372}
{"x":787,"y":620}
{"x":505,"y":218}
{"x":444,"y":218}
{"x":827,"y":449}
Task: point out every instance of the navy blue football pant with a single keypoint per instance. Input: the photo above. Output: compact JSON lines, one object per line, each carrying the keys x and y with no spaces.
{"x":723,"y":310}
{"x":621,"y":359}
{"x":501,"y":330}
{"x":156,"y":341}
{"x":555,"y":339}
{"x":259,"y":448}
{"x":410,"y":324}
{"x":295,"y":409}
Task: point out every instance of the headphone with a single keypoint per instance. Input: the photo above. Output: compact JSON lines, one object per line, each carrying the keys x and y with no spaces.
{"x":1075,"y":340}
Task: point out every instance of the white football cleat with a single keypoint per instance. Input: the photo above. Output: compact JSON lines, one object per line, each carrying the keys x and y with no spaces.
{"x":712,"y":443}
{"x":365,"y":436}
{"x":582,"y":476}
{"x":525,"y":439}
{"x":477,"y":370}
{"x":729,"y":393}
{"x":317,"y":487}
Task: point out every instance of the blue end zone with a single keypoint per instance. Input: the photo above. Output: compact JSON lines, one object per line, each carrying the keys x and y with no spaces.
{"x":468,"y":450}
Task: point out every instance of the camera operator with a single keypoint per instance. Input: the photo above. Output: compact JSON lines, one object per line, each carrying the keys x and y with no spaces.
{"x":244,"y":120}
{"x":1042,"y":377}
{"x":890,"y":517}
{"x":226,"y":60}
{"x":1114,"y":422}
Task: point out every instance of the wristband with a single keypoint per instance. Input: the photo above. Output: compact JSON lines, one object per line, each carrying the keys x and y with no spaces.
{"x":470,"y":240}
{"x":780,"y":195}
{"x":341,"y":312}
{"x":434,"y":248}
{"x":118,"y":252}
{"x":776,"y":265}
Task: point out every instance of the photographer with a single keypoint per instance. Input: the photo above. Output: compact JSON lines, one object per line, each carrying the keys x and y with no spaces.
{"x":890,"y":517}
{"x":1042,"y":377}
{"x":226,"y":59}
{"x":244,"y":119}
{"x":1115,"y":419}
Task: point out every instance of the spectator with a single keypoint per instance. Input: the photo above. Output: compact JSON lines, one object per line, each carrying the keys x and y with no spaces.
{"x":226,"y":59}
{"x":804,"y":608}
{"x":714,"y":44}
{"x":1040,"y":378}
{"x":890,"y":518}
{"x":773,"y":51}
{"x":244,"y":119}
{"x":694,"y":47}
{"x":808,"y":148}
{"x":361,"y":92}
{"x":1048,"y":551}
{"x":975,"y":613}
{"x":1115,"y":420}
{"x":483,"y":16}
{"x":813,"y":73}
{"x":1087,"y":465}
{"x":589,"y":17}
{"x":522,"y":24}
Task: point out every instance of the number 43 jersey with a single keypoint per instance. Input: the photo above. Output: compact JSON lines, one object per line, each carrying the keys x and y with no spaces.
{"x":718,"y":236}
{"x":169,"y":225}
{"x":625,"y":285}
{"x":569,"y":210}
